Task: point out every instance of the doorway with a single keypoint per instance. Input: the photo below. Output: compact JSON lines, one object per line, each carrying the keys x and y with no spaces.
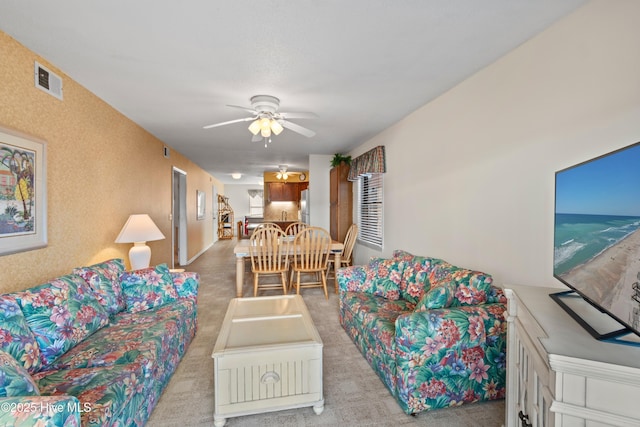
{"x":179,"y":218}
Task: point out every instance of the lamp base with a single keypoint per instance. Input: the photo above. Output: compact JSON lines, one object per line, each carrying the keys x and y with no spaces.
{"x":139,"y":255}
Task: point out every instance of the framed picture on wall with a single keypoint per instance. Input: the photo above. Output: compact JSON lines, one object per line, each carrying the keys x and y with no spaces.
{"x":23,"y":193}
{"x":201,"y":204}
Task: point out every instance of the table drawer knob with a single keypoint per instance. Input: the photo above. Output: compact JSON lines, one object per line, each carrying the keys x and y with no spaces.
{"x":270,"y":378}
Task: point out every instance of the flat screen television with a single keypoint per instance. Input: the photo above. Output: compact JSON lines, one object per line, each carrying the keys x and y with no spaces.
{"x":597,"y":241}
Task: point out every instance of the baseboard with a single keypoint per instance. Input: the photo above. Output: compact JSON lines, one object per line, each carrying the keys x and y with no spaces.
{"x":196,"y":256}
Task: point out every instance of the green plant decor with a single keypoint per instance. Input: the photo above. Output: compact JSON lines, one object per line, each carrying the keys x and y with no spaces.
{"x":339,"y":158}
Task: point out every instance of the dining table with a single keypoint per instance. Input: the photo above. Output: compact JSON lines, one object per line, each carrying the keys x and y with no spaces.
{"x":241,"y":251}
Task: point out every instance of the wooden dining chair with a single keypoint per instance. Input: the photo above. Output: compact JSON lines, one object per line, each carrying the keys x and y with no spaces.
{"x":269,"y":252}
{"x":311,"y":248}
{"x":347,"y":251}
{"x":293,"y":228}
{"x":266,"y":225}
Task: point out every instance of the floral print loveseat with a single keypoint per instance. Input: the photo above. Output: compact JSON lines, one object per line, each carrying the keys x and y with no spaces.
{"x":95,"y":347}
{"x":434,"y":333}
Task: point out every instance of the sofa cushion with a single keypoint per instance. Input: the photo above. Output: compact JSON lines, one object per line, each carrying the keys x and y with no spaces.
{"x":15,"y":336}
{"x":104,"y":279}
{"x":148,"y":337}
{"x":14,"y":378}
{"x":148,"y":288}
{"x":115,"y":393}
{"x":61,"y":313}
{"x":415,"y":277}
{"x":440,"y":296}
{"x":384,"y":276}
{"x":472,"y":287}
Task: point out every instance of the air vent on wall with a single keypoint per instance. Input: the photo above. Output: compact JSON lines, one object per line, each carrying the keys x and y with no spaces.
{"x":48,"y":81}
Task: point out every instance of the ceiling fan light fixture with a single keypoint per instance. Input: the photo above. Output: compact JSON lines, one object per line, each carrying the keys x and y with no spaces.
{"x":282,"y":173}
{"x":254,"y":127}
{"x":276,"y":127}
{"x":265,"y":127}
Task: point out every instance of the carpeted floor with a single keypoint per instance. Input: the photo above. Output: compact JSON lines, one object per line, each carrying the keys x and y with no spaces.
{"x":354,"y":396}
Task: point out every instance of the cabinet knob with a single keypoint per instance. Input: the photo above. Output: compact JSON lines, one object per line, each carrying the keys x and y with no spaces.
{"x":524,"y":420}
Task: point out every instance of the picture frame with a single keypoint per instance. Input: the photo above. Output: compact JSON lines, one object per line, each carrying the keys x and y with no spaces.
{"x":23,"y":192}
{"x":200,"y":204}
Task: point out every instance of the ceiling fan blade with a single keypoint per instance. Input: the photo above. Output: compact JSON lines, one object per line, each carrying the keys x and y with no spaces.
{"x":246,"y":119}
{"x":249,"y":109}
{"x":299,"y":115}
{"x":297,"y":128}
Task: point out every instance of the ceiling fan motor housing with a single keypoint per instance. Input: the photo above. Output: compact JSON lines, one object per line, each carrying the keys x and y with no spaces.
{"x":265,"y":103}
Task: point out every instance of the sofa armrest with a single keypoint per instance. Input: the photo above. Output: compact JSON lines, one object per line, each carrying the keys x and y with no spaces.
{"x":41,"y":411}
{"x":457,"y":354}
{"x":186,"y":284}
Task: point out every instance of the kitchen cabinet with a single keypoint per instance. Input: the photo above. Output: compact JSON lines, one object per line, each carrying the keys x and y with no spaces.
{"x":558,"y":374}
{"x":283,"y":192}
{"x":341,"y":202}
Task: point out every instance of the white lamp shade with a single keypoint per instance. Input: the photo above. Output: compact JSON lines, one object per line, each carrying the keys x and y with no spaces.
{"x":139,"y":228}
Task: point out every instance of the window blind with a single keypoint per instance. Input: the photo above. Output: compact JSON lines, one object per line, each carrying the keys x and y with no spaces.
{"x":370,"y":210}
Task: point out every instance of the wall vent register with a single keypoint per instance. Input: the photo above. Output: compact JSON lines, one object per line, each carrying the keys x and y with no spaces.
{"x":48,"y":81}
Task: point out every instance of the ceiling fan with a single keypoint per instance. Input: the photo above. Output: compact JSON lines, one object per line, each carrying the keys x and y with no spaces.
{"x":267,"y":120}
{"x":284,"y":174}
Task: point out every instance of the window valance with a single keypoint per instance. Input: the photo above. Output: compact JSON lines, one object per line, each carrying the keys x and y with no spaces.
{"x":254,"y":193}
{"x":373,"y":161}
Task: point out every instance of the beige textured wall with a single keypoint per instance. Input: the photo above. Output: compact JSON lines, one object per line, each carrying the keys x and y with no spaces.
{"x":470,"y":176}
{"x":101,"y":167}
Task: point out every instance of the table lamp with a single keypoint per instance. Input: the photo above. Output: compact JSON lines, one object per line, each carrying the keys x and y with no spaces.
{"x":139,"y":229}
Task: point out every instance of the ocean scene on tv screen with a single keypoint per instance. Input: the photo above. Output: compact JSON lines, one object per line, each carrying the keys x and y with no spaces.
{"x":597,"y":232}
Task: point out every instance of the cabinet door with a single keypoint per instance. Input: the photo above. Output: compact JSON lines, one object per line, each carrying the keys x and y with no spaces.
{"x":290,"y":192}
{"x":533,"y":397}
{"x":333,"y":186}
{"x":283,"y":192}
{"x":275,"y":191}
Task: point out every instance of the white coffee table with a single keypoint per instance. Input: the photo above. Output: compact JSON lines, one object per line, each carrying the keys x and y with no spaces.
{"x":268,"y":357}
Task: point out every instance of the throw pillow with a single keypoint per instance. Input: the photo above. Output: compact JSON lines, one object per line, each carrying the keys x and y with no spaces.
{"x":415,"y":279}
{"x":440,"y":296}
{"x":384,"y":277}
{"x":15,"y":336}
{"x":14,"y":378}
{"x":61,"y":313}
{"x":186,"y":284}
{"x":104,"y":279}
{"x":472,"y":287}
{"x":148,"y":288}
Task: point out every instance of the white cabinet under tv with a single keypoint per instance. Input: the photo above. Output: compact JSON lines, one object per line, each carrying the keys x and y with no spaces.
{"x":558,"y":374}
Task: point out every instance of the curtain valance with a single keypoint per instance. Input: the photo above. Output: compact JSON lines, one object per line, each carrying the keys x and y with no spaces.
{"x":254,"y":193}
{"x":373,"y":161}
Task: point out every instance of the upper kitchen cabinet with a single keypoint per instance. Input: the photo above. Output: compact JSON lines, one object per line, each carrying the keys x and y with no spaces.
{"x":341,"y":202}
{"x":287,"y":190}
{"x":282,"y":192}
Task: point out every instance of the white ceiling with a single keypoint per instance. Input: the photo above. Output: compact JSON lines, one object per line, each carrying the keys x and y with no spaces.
{"x":360,"y":65}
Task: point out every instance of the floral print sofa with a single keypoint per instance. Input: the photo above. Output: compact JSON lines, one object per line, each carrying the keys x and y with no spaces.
{"x":95,"y":347}
{"x":434,"y":333}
